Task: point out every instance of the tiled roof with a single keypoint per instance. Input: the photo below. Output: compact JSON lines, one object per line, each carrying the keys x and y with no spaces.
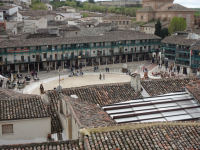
{"x":62,"y":145}
{"x":160,"y":86}
{"x":116,"y":18}
{"x":158,"y":136}
{"x":33,"y":18}
{"x":152,"y":24}
{"x":194,"y":89}
{"x":174,"y":7}
{"x":70,"y":28}
{"x":104,"y":25}
{"x":6,"y":7}
{"x":14,"y":15}
{"x":146,"y":9}
{"x":104,"y":94}
{"x":108,"y":37}
{"x":36,"y":12}
{"x":43,"y":30}
{"x":41,"y":35}
{"x":6,"y":94}
{"x":178,"y":40}
{"x":89,"y":114}
{"x":97,"y":15}
{"x":23,"y":108}
{"x":53,"y":111}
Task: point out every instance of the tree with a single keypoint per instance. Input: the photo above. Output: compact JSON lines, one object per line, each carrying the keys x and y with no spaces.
{"x":164,"y":33}
{"x":118,"y":11}
{"x":39,"y":6}
{"x":158,"y":28}
{"x":177,"y":24}
{"x":90,"y":1}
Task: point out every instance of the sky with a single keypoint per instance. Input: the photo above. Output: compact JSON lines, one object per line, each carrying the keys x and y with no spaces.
{"x":189,"y":3}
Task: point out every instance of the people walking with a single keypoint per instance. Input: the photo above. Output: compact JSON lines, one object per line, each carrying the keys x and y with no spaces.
{"x":41,"y":89}
{"x":100,"y":76}
{"x":143,"y":69}
{"x":104,"y":76}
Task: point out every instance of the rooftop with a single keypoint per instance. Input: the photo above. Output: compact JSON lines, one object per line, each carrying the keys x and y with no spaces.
{"x":88,"y":114}
{"x":6,"y":7}
{"x":146,"y":9}
{"x":151,"y":136}
{"x":33,"y":18}
{"x":152,"y":24}
{"x":108,"y":37}
{"x":194,"y":89}
{"x":71,"y":144}
{"x":179,"y":40}
{"x":160,"y":86}
{"x":69,"y":28}
{"x":178,"y":106}
{"x":23,"y":108}
{"x":174,"y":7}
{"x":36,"y":13}
{"x":41,"y":35}
{"x":104,"y":94}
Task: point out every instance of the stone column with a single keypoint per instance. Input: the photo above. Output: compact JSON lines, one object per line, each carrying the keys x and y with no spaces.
{"x":70,"y":64}
{"x":138,"y":57}
{"x":132,"y":57}
{"x":38,"y":67}
{"x":113,"y":60}
{"x":28,"y":68}
{"x":85,"y":62}
{"x":49,"y":66}
{"x":34,"y":66}
{"x":126,"y":58}
{"x":145,"y":56}
{"x":99,"y":62}
{"x":18,"y":69}
{"x":63,"y":65}
{"x":92,"y":62}
{"x":106,"y":61}
{"x":55,"y":65}
{"x":78,"y":62}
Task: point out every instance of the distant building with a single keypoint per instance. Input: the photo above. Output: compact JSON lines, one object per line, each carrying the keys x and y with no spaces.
{"x":8,"y":11}
{"x":40,"y":22}
{"x":164,"y":10}
{"x":66,"y":9}
{"x":150,"y":27}
{"x":120,"y":3}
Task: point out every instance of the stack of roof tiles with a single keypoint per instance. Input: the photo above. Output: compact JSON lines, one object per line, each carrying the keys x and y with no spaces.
{"x":63,"y":145}
{"x":104,"y":94}
{"x":171,"y":137}
{"x":23,"y":108}
{"x":53,"y":108}
{"x":194,"y":89}
{"x":159,"y":87}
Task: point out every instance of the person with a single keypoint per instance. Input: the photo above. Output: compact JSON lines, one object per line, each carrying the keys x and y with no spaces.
{"x":143,"y":69}
{"x":47,"y":69}
{"x":94,"y":69}
{"x":41,"y":89}
{"x":100,"y":76}
{"x":18,"y":82}
{"x":32,"y":74}
{"x":104,"y":76}
{"x":108,"y":70}
{"x":159,"y":65}
{"x":36,"y":74}
{"x":174,"y":69}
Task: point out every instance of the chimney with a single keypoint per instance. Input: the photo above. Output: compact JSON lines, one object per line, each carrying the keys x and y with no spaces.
{"x":135,"y":81}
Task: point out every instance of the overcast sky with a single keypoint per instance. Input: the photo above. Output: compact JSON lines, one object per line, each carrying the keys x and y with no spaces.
{"x":189,"y":3}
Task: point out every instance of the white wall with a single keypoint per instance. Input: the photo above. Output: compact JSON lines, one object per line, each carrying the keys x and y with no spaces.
{"x":26,"y":131}
{"x":12,"y":10}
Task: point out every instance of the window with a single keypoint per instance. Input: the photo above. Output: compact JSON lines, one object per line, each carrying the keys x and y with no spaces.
{"x":44,"y":55}
{"x":125,"y":49}
{"x":127,"y":22}
{"x":76,"y":32}
{"x":33,"y":56}
{"x":123,"y":22}
{"x":56,"y":18}
{"x":120,"y":22}
{"x":141,"y":17}
{"x":93,"y":51}
{"x":7,"y":128}
{"x":60,"y":18}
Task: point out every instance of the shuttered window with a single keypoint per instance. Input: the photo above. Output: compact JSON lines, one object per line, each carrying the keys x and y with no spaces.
{"x":7,"y":128}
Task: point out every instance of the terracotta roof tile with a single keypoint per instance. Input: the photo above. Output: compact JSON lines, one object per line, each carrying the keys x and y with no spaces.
{"x":194,"y":89}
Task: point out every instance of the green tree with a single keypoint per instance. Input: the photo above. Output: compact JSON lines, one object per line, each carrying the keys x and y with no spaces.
{"x":118,"y":11}
{"x":90,"y":1}
{"x":164,"y":33}
{"x":127,"y":11}
{"x":177,"y":24}
{"x":158,"y":27}
{"x":111,"y":9}
{"x":39,"y":6}
{"x":85,"y":15}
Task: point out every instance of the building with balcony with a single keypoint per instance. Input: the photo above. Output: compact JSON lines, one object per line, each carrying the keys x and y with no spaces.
{"x":108,"y":48}
{"x":181,"y":51}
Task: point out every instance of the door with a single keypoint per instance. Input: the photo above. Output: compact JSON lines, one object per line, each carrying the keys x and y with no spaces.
{"x":76,"y":62}
{"x":55,"y":56}
{"x":37,"y":57}
{"x":22,"y":58}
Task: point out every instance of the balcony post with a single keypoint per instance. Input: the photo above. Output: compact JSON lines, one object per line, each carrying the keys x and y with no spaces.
{"x":132,"y":57}
{"x":70,"y":64}
{"x":34,"y":66}
{"x":120,"y":59}
{"x":106,"y":61}
{"x":99,"y":61}
{"x":92,"y":62}
{"x":63,"y":65}
{"x":113,"y":60}
{"x":85,"y":62}
{"x":28,"y":68}
{"x":38,"y":67}
{"x":126,"y":58}
{"x":49,"y":66}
